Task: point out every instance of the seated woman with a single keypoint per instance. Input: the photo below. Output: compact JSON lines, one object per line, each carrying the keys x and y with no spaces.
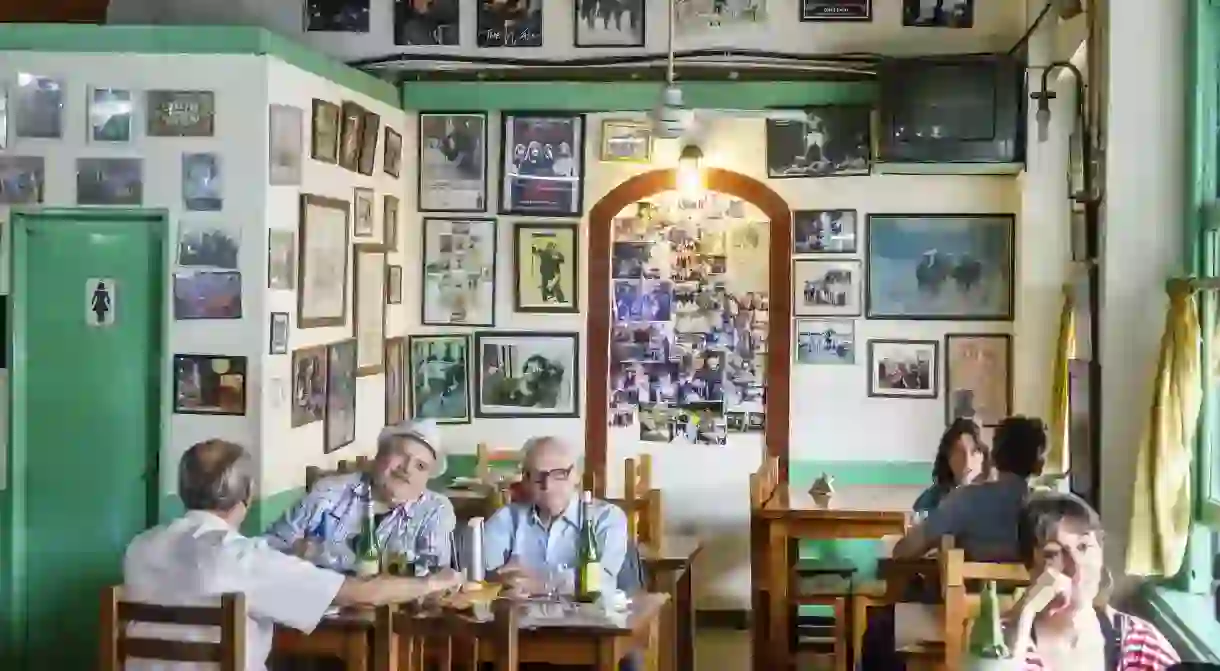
{"x":961,"y":458}
{"x":1061,"y":622}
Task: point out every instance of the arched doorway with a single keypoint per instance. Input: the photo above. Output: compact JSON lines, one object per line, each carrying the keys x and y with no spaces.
{"x":598,"y":320}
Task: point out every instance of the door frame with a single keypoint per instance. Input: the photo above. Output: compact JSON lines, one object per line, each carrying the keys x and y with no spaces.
{"x":13,"y":498}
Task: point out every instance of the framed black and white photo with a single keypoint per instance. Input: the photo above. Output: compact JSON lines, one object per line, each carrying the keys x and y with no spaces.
{"x":39,"y":105}
{"x":209,"y":384}
{"x":111,"y":115}
{"x":308,"y":385}
{"x":370,"y":129}
{"x":351,"y":120}
{"x":325,"y":128}
{"x":428,"y":23}
{"x":515,"y":23}
{"x":824,"y":232}
{"x":452,"y":162}
{"x":362,"y":213}
{"x":459,"y":272}
{"x":938,"y":13}
{"x":208,"y":244}
{"x":826,"y":342}
{"x":831,"y":140}
{"x":836,"y":10}
{"x":542,"y":164}
{"x":393,"y":280}
{"x":278,"y":336}
{"x":339,"y":424}
{"x":546,"y":270}
{"x":368,"y":308}
{"x":826,"y":288}
{"x":323,"y":243}
{"x":522,"y":374}
{"x":286,"y":144}
{"x":626,"y":141}
{"x":108,"y":181}
{"x":340,"y":16}
{"x":608,"y":24}
{"x":181,"y":113}
{"x":902,"y":368}
{"x":389,"y":222}
{"x":439,"y":371}
{"x":395,"y":381}
{"x":391,"y":162}
{"x":22,"y":179}
{"x":202,"y":183}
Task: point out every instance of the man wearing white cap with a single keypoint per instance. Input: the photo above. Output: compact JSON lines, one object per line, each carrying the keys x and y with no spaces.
{"x":411,"y":520}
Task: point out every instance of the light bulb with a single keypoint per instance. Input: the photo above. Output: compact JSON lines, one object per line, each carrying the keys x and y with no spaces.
{"x":1043,"y":118}
{"x":690,"y":173}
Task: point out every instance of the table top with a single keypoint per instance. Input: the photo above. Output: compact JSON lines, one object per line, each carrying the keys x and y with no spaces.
{"x":848,"y":502}
{"x":674,"y":551}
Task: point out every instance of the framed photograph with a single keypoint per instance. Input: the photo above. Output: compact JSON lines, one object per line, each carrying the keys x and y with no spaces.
{"x":393,"y":280}
{"x":370,"y":128}
{"x":202,"y":183}
{"x":339,"y":425}
{"x":832,"y":140}
{"x":351,"y":125}
{"x":362,"y":211}
{"x":509,"y":24}
{"x":439,"y":368}
{"x":369,"y":280}
{"x":286,"y":144}
{"x":452,"y":162}
{"x":836,"y":10}
{"x":391,"y":162}
{"x":826,"y":342}
{"x":325,"y":123}
{"x":109,"y":181}
{"x":547,"y":267}
{"x":824,"y":232}
{"x":281,"y":260}
{"x":459,"y":272}
{"x":208,"y":244}
{"x":341,"y":16}
{"x":949,"y":267}
{"x":902,"y":368}
{"x":389,"y":222}
{"x":626,"y":141}
{"x":542,"y":158}
{"x":395,"y":384}
{"x":39,"y":105}
{"x":938,"y":13}
{"x":527,"y":374}
{"x":602,"y":24}
{"x":826,"y":288}
{"x":978,"y":377}
{"x":322,"y":249}
{"x":208,"y":384}
{"x":308,"y":385}
{"x":207,"y":294}
{"x":181,"y":113}
{"x":111,"y":115}
{"x":4,"y":114}
{"x":278,"y":337}
{"x":434,"y":22}
{"x":22,"y":180}
{"x":723,"y":18}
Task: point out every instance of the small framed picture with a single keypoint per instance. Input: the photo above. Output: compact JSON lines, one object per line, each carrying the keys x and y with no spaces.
{"x":547,"y":268}
{"x":452,"y":162}
{"x":391,"y":163}
{"x":825,"y":342}
{"x":362,"y":213}
{"x":22,"y":179}
{"x":324,"y":142}
{"x":459,"y":272}
{"x":339,"y":422}
{"x":603,"y":25}
{"x":351,"y":123}
{"x":439,"y":371}
{"x":938,"y":13}
{"x":393,"y":281}
{"x":523,"y":375}
{"x":111,"y":115}
{"x":285,"y":144}
{"x":826,"y":288}
{"x":202,"y":183}
{"x":109,"y":181}
{"x":389,"y":221}
{"x":343,"y":16}
{"x":281,"y":260}
{"x":278,"y":339}
{"x":902,"y":368}
{"x":837,"y":10}
{"x":207,"y":294}
{"x":534,"y":183}
{"x":626,"y":141}
{"x":308,"y":385}
{"x":395,"y":382}
{"x":39,"y":106}
{"x":181,"y":113}
{"x":370,"y":128}
{"x":208,"y":384}
{"x":978,"y":377}
{"x":824,"y":232}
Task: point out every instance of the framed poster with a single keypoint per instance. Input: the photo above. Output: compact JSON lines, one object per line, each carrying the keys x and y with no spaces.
{"x":602,"y":24}
{"x":527,"y":374}
{"x":452,"y":162}
{"x":831,"y":141}
{"x":508,"y":24}
{"x":459,"y":272}
{"x":439,"y":368}
{"x":978,"y":377}
{"x":546,"y":271}
{"x":902,"y":368}
{"x":323,"y":242}
{"x":542,"y":163}
{"x":369,"y":280}
{"x":339,"y":425}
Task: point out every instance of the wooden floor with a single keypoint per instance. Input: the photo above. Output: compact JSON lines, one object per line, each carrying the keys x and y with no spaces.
{"x":724,"y":650}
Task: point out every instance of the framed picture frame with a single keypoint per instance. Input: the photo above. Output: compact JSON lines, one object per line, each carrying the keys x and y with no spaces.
{"x":903,"y":368}
{"x":836,"y":10}
{"x":532,"y":184}
{"x":824,"y":232}
{"x":826,"y":288}
{"x":391,"y":161}
{"x":619,"y":27}
{"x":278,"y":334}
{"x":351,"y":135}
{"x":458,"y":272}
{"x":322,"y":238}
{"x":439,"y":371}
{"x":364,"y":223}
{"x":426,"y":24}
{"x":393,"y":280}
{"x":285,"y":144}
{"x":946,"y":14}
{"x":825,"y":342}
{"x":25,"y":179}
{"x":452,"y":162}
{"x":946,"y":267}
{"x":370,"y":128}
{"x":368,"y":308}
{"x":308,"y":385}
{"x":504,"y":359}
{"x":831,"y":141}
{"x":325,"y":128}
{"x":978,"y":377}
{"x":209,"y":384}
{"x":389,"y":222}
{"x":546,"y":271}
{"x":339,"y":423}
{"x":395,"y":382}
{"x":626,"y":141}
{"x":500,"y":25}
{"x":181,"y":113}
{"x":281,"y":260}
{"x":111,"y":115}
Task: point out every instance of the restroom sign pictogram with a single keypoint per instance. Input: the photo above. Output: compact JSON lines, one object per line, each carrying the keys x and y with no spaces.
{"x":101,"y":301}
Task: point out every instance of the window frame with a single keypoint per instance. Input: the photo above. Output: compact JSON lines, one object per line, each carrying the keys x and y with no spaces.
{"x":1202,"y":246}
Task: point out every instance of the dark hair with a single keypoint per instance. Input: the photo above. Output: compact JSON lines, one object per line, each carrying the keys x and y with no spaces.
{"x":942,"y":474}
{"x":1020,"y":446}
{"x":1042,"y":515}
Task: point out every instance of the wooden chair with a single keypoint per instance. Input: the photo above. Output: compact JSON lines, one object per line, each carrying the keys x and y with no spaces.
{"x":487,"y":457}
{"x":763,"y":484}
{"x":641,"y":502}
{"x":117,"y":646}
{"x":404,"y":641}
{"x":345,"y":466}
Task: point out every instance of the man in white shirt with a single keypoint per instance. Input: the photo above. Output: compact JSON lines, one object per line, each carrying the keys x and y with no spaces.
{"x":202,"y":555}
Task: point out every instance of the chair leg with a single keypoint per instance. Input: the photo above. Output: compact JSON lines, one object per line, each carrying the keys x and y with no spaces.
{"x":842,"y":637}
{"x":859,"y":622}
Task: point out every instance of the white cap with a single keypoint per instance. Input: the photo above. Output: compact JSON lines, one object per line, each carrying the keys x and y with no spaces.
{"x":423,"y":431}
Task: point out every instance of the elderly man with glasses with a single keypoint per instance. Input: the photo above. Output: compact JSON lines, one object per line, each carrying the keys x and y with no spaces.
{"x":411,"y":520}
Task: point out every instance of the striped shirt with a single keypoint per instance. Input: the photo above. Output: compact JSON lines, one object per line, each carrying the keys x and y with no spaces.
{"x":423,"y":527}
{"x":1141,"y":647}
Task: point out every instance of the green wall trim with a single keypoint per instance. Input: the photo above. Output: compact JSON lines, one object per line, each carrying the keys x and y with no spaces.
{"x":1187,"y":620}
{"x":628,"y":96}
{"x":198,"y":40}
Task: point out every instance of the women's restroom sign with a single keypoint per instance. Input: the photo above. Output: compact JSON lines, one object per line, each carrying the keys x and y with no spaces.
{"x":101,"y":301}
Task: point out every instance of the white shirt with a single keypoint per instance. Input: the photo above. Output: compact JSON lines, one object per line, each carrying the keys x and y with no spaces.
{"x":198,"y":557}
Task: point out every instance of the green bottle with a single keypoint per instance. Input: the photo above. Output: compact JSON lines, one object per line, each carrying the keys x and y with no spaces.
{"x":368,"y":552}
{"x":987,"y":634}
{"x":588,"y":562}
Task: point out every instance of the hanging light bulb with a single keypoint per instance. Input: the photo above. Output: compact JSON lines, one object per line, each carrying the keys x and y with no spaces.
{"x":690,"y":172}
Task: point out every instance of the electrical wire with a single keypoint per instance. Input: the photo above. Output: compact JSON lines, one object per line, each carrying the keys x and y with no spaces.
{"x":1050,"y":4}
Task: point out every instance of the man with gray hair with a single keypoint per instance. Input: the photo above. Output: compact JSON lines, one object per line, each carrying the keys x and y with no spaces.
{"x":202,"y":555}
{"x":411,"y":520}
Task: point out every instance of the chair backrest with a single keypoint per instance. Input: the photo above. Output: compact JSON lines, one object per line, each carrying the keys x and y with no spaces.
{"x":404,"y":641}
{"x":645,"y":516}
{"x":117,"y":646}
{"x":345,"y":466}
{"x":487,"y":456}
{"x":960,"y":605}
{"x":764,"y":482}
{"x":637,"y":476}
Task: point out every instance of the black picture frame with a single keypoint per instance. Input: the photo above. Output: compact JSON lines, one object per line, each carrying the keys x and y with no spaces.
{"x":911,"y":16}
{"x":578,"y":155}
{"x":332,"y":443}
{"x":395,"y":362}
{"x":391,"y":148}
{"x":278,"y":319}
{"x":574,"y":228}
{"x":933,"y":370}
{"x":490,"y":29}
{"x":242,"y":369}
{"x":816,"y":11}
{"x":577,"y":7}
{"x":412,"y":370}
{"x":804,"y":218}
{"x":477,"y":368}
{"x":1008,"y":369}
{"x":858,"y":114}
{"x":423,"y":270}
{"x":419,"y":157}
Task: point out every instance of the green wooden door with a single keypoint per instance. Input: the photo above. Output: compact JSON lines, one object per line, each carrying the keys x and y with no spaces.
{"x":88,"y":290}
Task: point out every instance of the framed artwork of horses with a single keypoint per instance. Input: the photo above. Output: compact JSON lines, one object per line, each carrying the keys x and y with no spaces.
{"x":947,"y":267}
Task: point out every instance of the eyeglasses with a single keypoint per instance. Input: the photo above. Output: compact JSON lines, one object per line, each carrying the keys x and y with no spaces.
{"x":556,"y":474}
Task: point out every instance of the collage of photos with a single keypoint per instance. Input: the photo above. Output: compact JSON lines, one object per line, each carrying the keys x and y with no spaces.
{"x":689,"y":341}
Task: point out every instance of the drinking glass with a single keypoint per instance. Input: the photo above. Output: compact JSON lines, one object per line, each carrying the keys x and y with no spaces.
{"x":560,"y":582}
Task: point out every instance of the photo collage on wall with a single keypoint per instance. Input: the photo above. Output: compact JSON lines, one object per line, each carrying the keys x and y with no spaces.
{"x":689,"y":337}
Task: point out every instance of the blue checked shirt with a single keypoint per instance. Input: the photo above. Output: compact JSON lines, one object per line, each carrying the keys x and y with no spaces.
{"x":423,"y":527}
{"x":516,"y":532}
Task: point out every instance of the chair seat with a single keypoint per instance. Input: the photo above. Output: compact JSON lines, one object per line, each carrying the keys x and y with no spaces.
{"x":820,"y":589}
{"x":873,"y":589}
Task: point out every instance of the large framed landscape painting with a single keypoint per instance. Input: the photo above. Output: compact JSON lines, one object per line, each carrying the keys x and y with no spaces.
{"x":948,"y":267}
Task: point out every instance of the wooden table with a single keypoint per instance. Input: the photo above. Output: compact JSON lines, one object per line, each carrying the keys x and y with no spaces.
{"x":669,"y":566}
{"x":853,"y":511}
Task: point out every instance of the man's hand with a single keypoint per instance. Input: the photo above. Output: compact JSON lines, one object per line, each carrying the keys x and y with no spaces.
{"x":518,"y":578}
{"x":445,"y":579}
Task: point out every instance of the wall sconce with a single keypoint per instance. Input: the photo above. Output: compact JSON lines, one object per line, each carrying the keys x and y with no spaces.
{"x":690,"y":172}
